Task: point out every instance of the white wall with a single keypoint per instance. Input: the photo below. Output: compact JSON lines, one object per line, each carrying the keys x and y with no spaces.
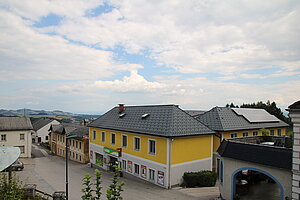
{"x":13,"y":140}
{"x":44,"y":131}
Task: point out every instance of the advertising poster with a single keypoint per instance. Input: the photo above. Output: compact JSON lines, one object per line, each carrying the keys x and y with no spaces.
{"x":160,"y":177}
{"x":129,"y":167}
{"x":144,"y":171}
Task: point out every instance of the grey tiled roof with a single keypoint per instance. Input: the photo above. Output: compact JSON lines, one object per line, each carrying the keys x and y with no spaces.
{"x":163,"y":120}
{"x":15,"y":123}
{"x":295,"y":105}
{"x":38,"y":123}
{"x":70,"y":129}
{"x":225,"y":119}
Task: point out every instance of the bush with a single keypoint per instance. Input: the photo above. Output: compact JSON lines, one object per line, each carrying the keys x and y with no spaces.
{"x":200,"y":179}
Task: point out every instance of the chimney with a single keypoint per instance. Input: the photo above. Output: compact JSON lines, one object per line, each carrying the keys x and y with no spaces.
{"x":121,"y":108}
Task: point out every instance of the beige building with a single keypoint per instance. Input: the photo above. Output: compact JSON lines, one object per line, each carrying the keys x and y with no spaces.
{"x":78,"y":141}
{"x":16,"y":132}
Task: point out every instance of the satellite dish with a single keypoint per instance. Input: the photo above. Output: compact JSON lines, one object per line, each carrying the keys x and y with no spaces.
{"x":8,"y":155}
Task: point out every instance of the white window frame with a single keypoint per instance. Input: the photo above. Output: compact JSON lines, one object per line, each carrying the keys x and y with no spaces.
{"x":103,"y":136}
{"x":149,"y":146}
{"x":111,"y":139}
{"x":150,"y":177}
{"x":232,"y":135}
{"x":272,"y":132}
{"x":124,"y":146}
{"x":134,"y":143}
{"x":255,"y":133}
{"x":245,"y":134}
{"x":94,"y":134}
{"x":3,"y":136}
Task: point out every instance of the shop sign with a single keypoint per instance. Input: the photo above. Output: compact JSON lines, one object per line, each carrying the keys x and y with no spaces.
{"x":129,"y":166}
{"x":144,"y":171}
{"x":160,"y":177}
{"x":111,"y":151}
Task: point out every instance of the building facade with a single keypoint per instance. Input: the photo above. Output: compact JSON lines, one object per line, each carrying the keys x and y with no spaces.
{"x":294,"y":113}
{"x":78,"y":143}
{"x":41,"y":128}
{"x":16,"y":132}
{"x":153,"y":143}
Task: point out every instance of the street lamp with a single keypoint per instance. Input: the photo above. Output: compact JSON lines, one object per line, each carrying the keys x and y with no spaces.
{"x":67,"y":159}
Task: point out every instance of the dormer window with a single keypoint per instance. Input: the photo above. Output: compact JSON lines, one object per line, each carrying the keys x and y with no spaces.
{"x":145,"y":115}
{"x":122,"y":115}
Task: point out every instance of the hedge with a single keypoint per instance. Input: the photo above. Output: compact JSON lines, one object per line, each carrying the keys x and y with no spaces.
{"x":200,"y":179}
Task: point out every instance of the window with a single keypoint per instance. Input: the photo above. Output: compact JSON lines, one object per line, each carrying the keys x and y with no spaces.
{"x":22,"y":149}
{"x":279,"y":132}
{"x":76,"y":144}
{"x":245,"y":134}
{"x":272,"y":132}
{"x":152,"y":146}
{"x":137,"y":144}
{"x":79,"y":158}
{"x":94,"y":135}
{"x":99,"y":159}
{"x":124,"y":141}
{"x":113,"y":138}
{"x":103,"y":136}
{"x":3,"y":137}
{"x":79,"y":145}
{"x":255,"y":133}
{"x":151,"y":174}
{"x":22,"y":136}
{"x":46,"y":137}
{"x":136,"y":169}
{"x":124,"y":165}
{"x":76,"y":156}
{"x":233,"y":135}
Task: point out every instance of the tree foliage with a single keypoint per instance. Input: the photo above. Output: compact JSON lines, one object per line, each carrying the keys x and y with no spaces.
{"x":115,"y":188}
{"x":11,"y":189}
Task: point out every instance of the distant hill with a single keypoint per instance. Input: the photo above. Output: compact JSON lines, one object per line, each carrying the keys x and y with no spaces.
{"x":43,"y":113}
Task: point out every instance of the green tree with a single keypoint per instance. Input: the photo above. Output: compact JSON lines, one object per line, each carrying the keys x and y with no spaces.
{"x":87,"y":190}
{"x":12,"y":189}
{"x":98,"y":184}
{"x":115,"y":188}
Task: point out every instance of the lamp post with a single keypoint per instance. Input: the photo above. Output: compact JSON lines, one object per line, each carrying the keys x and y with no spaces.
{"x":67,"y":160}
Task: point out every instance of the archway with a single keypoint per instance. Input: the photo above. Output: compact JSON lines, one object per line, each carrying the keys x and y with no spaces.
{"x":236,"y":172}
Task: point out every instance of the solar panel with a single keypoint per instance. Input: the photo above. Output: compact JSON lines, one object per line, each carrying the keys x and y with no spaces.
{"x":255,"y":115}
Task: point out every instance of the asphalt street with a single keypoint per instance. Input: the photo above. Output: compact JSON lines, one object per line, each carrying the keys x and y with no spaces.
{"x":48,"y":172}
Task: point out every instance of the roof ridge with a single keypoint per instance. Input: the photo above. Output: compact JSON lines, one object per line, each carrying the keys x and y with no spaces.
{"x":158,"y":105}
{"x":196,"y":120}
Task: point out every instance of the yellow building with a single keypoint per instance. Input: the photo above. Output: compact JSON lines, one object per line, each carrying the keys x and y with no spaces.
{"x":241,"y":122}
{"x":154,"y":143}
{"x":78,"y":143}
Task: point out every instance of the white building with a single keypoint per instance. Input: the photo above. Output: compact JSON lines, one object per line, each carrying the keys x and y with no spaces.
{"x":41,"y":128}
{"x":16,"y":132}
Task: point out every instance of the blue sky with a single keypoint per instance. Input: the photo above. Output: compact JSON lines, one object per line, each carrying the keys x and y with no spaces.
{"x":88,"y":56}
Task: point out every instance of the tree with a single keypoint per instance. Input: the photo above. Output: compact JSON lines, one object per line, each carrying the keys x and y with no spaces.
{"x":115,"y":188}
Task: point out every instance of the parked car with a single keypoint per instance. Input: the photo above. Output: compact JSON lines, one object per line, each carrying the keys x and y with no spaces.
{"x":16,"y":166}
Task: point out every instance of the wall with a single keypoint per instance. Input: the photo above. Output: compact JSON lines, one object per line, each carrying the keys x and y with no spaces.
{"x":44,"y":131}
{"x":295,"y":116}
{"x":190,"y":154}
{"x":230,"y":166}
{"x":161,"y":147}
{"x":13,"y":140}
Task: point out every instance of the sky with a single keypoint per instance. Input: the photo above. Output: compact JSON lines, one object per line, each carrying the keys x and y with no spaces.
{"x":87,"y":56}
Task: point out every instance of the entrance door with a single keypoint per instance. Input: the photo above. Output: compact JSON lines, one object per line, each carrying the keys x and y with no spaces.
{"x":112,"y":161}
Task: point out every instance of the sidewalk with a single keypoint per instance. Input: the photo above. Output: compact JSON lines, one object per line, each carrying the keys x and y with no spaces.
{"x":203,"y":193}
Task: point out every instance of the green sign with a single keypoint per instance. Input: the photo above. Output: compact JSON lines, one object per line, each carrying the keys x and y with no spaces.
{"x":111,"y":151}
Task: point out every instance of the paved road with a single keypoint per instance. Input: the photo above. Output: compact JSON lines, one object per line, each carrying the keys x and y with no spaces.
{"x":48,"y":172}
